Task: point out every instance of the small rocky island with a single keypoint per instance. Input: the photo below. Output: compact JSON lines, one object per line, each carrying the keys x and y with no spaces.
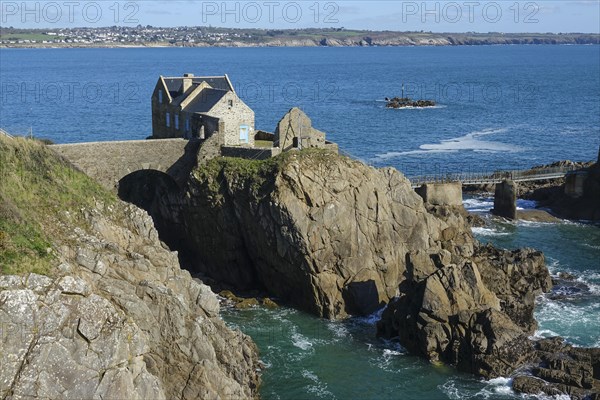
{"x":405,"y":102}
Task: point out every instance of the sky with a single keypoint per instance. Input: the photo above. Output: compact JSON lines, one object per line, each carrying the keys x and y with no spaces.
{"x":436,"y":16}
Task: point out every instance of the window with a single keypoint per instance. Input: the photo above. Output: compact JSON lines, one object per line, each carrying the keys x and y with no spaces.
{"x":244,"y":133}
{"x":177,"y":121}
{"x":187,"y":124}
{"x":168,"y":120}
{"x":230,"y":103}
{"x":160,"y":96}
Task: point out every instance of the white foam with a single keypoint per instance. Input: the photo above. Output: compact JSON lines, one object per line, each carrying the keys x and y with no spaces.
{"x":479,"y":204}
{"x":480,"y":231}
{"x":526,"y":204}
{"x":468,"y":142}
{"x":373,"y":318}
{"x":301,"y":341}
{"x":319,"y":388}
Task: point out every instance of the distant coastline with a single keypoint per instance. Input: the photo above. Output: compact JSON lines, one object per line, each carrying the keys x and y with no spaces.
{"x":128,"y":37}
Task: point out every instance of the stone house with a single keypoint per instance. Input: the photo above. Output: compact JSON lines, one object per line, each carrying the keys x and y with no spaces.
{"x":200,"y":107}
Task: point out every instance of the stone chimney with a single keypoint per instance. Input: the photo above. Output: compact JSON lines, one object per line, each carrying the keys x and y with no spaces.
{"x":187,"y":82}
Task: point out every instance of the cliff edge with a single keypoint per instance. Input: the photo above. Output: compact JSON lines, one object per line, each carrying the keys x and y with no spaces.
{"x":93,"y":305}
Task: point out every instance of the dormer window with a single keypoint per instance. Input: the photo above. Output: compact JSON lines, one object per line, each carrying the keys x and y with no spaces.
{"x":160,"y":96}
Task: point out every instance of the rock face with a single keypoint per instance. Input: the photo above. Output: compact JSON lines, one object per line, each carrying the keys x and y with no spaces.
{"x":562,"y":369}
{"x":475,"y":314}
{"x":120,"y":320}
{"x":323,"y":232}
{"x":335,"y":237}
{"x":578,"y":198}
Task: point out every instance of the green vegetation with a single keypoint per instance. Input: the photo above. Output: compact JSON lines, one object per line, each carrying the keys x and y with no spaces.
{"x":37,"y":191}
{"x":39,"y":37}
{"x":256,"y":175}
{"x":263,"y":143}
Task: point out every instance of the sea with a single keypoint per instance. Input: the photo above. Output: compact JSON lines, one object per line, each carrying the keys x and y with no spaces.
{"x":498,"y":108}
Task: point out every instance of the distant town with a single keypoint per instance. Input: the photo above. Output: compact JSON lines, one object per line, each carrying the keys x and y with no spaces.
{"x":202,"y":36}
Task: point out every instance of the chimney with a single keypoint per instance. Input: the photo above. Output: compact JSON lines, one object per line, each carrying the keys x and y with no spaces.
{"x":187,"y":82}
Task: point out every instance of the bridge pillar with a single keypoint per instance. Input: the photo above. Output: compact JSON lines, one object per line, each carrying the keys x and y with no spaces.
{"x":505,"y":199}
{"x":441,"y":194}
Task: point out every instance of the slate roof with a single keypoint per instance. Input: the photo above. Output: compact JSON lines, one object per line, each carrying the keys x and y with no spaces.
{"x":205,"y":100}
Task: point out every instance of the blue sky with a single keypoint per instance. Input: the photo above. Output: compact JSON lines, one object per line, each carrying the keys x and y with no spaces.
{"x":436,"y":16}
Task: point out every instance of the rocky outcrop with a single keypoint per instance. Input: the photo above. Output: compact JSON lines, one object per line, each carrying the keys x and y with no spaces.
{"x":559,"y":369}
{"x":335,"y":237}
{"x":322,"y":232}
{"x":314,"y":229}
{"x":475,"y":314}
{"x":119,"y":319}
{"x":405,"y":102}
{"x":578,"y":198}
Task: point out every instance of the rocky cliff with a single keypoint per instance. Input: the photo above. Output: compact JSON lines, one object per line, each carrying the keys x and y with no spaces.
{"x":335,"y":237}
{"x":323,"y":232}
{"x":113,"y":315}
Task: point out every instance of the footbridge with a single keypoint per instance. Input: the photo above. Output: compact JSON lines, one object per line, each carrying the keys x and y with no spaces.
{"x":489,"y":178}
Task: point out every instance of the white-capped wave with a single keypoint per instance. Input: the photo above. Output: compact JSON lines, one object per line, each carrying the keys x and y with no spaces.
{"x":481,"y":231}
{"x":301,"y":341}
{"x":478,"y":203}
{"x":469,"y":142}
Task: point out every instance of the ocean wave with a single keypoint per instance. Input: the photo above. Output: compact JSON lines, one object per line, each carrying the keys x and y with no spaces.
{"x":480,"y":231}
{"x":497,"y":388}
{"x":468,"y":142}
{"x":318,"y":388}
{"x":575,"y":319}
{"x":301,"y":341}
{"x":476,"y":204}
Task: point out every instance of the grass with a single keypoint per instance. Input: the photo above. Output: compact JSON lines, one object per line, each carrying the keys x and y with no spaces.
{"x":29,"y":36}
{"x":36,"y":188}
{"x":263,"y":143}
{"x":255,"y":175}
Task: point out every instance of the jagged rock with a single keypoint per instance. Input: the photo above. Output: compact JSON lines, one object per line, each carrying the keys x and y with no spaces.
{"x":562,"y":369}
{"x":141,"y":329}
{"x":320,"y":231}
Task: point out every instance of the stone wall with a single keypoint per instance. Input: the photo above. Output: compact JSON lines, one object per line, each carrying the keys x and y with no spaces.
{"x":238,"y":114}
{"x":441,"y":194}
{"x":108,"y":162}
{"x":250,"y":153}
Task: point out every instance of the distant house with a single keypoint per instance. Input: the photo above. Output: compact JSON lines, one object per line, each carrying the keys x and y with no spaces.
{"x":200,"y":107}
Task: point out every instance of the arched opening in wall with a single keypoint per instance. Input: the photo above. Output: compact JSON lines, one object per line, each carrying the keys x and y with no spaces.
{"x":157,"y":193}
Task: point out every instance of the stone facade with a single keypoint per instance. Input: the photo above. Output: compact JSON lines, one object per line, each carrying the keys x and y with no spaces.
{"x":295,"y":131}
{"x":199,"y":107}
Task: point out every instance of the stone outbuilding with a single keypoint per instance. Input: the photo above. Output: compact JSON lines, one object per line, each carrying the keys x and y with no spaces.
{"x":295,"y":130}
{"x":200,"y":107}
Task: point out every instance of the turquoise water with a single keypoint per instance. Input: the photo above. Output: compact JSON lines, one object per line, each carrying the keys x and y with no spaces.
{"x":499,"y":107}
{"x":309,"y":358}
